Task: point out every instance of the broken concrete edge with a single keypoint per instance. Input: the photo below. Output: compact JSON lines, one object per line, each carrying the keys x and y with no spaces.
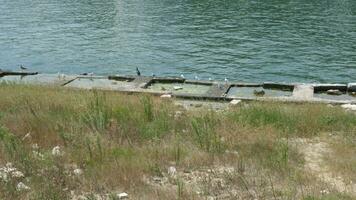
{"x":325,"y":87}
{"x":240,"y":84}
{"x":279,"y":86}
{"x":351,"y":87}
{"x":121,"y":78}
{"x":8,"y":73}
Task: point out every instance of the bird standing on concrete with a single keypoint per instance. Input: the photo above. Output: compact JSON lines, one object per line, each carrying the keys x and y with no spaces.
{"x":138,"y":72}
{"x":182,"y":76}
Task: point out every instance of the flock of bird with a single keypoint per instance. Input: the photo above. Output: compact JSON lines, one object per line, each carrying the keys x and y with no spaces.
{"x":138,"y":73}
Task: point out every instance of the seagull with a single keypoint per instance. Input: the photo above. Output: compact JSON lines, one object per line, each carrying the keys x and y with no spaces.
{"x":153,"y":75}
{"x":210,"y":79}
{"x":23,"y":67}
{"x":196,"y":78}
{"x":226,"y":80}
{"x":138,"y":72}
{"x":182,"y":76}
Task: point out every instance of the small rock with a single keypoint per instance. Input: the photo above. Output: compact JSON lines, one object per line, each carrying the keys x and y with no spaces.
{"x":78,"y":172}
{"x":157,"y":179}
{"x":35,"y":146}
{"x":56,"y":151}
{"x":17,"y":174}
{"x":324,"y":192}
{"x":349,"y":107}
{"x":177,"y":114}
{"x":122,"y":195}
{"x":166,"y":96}
{"x":334,"y":92}
{"x":38,"y":155}
{"x":3,"y":176}
{"x":22,"y":187}
{"x":177,"y":87}
{"x":9,"y":165}
{"x":235,"y":102}
{"x":210,"y":198}
{"x":198,"y":105}
{"x":172,"y":171}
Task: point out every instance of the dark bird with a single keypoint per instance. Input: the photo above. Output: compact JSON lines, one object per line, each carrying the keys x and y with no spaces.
{"x":138,"y":72}
{"x":259,"y":92}
{"x":23,"y":67}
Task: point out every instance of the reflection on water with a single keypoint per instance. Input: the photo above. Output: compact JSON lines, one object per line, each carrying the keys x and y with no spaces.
{"x":292,"y":41}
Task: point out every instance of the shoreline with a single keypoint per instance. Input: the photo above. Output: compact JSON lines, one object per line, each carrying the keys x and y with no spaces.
{"x":194,"y":89}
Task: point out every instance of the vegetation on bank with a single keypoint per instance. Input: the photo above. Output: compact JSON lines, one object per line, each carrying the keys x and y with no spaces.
{"x":69,"y":143}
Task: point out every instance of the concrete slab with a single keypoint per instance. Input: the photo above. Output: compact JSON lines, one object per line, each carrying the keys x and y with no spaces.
{"x":218,"y":90}
{"x":249,"y":92}
{"x":103,"y":84}
{"x":142,"y":81}
{"x":39,"y":79}
{"x":303,"y":92}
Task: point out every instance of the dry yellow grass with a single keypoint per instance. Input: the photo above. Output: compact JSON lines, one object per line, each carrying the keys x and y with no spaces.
{"x":126,"y":143}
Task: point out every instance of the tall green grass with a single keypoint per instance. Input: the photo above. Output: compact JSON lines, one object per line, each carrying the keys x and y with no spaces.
{"x":118,"y":139}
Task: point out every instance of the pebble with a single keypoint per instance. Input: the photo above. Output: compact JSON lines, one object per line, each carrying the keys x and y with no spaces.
{"x":349,"y":107}
{"x":172,"y":171}
{"x":235,"y":102}
{"x":35,"y":146}
{"x":17,"y":174}
{"x":166,"y":96}
{"x":177,"y":87}
{"x":56,"y":151}
{"x":22,"y":187}
{"x":78,"y":172}
{"x":122,"y":195}
{"x":334,"y":92}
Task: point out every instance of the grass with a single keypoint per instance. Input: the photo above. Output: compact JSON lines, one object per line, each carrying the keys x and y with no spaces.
{"x":121,"y":142}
